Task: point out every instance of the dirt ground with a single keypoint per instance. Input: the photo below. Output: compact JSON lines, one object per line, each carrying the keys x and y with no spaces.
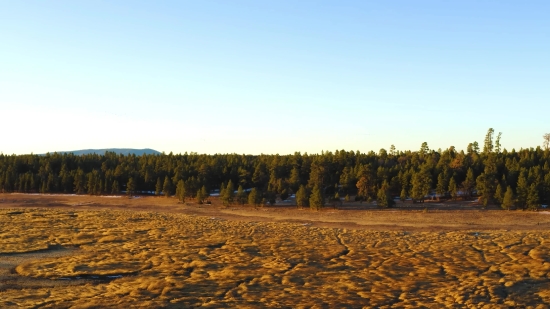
{"x":60,"y":251}
{"x":429,"y":216}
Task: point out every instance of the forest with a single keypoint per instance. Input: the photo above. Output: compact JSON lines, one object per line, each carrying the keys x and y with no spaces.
{"x":512,"y":179}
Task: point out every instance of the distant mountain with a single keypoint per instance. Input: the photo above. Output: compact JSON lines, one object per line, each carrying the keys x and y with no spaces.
{"x":124,"y":151}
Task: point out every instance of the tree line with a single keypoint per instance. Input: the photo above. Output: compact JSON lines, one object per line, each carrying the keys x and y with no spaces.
{"x":488,"y":172}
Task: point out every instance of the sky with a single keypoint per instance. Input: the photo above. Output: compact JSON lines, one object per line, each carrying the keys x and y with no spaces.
{"x":272,"y":76}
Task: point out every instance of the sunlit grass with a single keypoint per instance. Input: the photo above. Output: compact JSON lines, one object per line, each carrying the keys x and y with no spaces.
{"x":145,"y":259}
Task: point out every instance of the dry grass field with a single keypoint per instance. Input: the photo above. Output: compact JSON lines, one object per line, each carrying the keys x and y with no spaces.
{"x":97,"y":252}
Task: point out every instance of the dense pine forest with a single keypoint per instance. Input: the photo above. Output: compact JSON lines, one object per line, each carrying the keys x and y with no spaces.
{"x":493,"y":174}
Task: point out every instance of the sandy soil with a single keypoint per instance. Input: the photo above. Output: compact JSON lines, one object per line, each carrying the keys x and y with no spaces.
{"x":97,"y":252}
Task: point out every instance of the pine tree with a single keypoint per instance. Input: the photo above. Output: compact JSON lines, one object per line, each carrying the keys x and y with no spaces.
{"x":488,"y":145}
{"x":546,"y":188}
{"x":204,"y":193}
{"x":294,"y":180}
{"x":546,"y":143}
{"x":201,"y":195}
{"x":79,"y":182}
{"x":499,"y":194}
{"x":533,"y":199}
{"x":453,"y":188}
{"x":424,"y":149}
{"x":522,"y":190}
{"x":158,"y":187}
{"x":228,"y":194}
{"x":381,"y":198}
{"x":180,"y":191}
{"x":260,"y":176}
{"x":167,"y":187}
{"x":271,"y":197}
{"x":253,"y":197}
{"x":497,"y":143}
{"x":403,"y":195}
{"x":91,"y":184}
{"x":508,"y":199}
{"x":363,"y":187}
{"x":302,"y":198}
{"x":44,"y":187}
{"x":241,"y":195}
{"x":469,"y":183}
{"x":284,"y":194}
{"x":421,"y":184}
{"x":487,"y":180}
{"x":222,"y":190}
{"x":115,"y":189}
{"x":316,"y":200}
{"x":99,"y":189}
{"x":442,"y":185}
{"x":130,"y":186}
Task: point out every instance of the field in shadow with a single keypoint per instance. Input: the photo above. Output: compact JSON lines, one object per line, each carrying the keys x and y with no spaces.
{"x":57,"y":258}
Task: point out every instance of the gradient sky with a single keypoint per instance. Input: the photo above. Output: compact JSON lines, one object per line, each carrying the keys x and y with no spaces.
{"x":272,"y":76}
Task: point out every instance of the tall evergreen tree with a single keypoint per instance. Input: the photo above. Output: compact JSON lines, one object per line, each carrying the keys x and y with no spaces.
{"x":302,"y":198}
{"x":79,"y":182}
{"x":508,"y":199}
{"x":158,"y":187}
{"x":253,"y":197}
{"x":201,"y":195}
{"x":453,"y":188}
{"x":204,"y":192}
{"x":228,"y":194}
{"x":180,"y":191}
{"x":271,"y":197}
{"x":222,"y":189}
{"x":294,"y":179}
{"x":421,"y":184}
{"x":383,"y":197}
{"x":441,"y":188}
{"x":115,"y":188}
{"x":522,"y":190}
{"x":486,"y":182}
{"x":488,"y":145}
{"x":499,"y":194}
{"x":403,"y":195}
{"x":99,"y":184}
{"x":546,"y":143}
{"x":546,"y":188}
{"x":91,"y":184}
{"x":469,"y":183}
{"x":497,"y":143}
{"x":316,"y":200}
{"x":241,"y":195}
{"x":167,"y":187}
{"x":424,"y":149}
{"x":363,"y":187}
{"x":533,"y":199}
{"x":130,"y":186}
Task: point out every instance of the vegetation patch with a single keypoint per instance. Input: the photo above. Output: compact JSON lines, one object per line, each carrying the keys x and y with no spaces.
{"x":146,"y":259}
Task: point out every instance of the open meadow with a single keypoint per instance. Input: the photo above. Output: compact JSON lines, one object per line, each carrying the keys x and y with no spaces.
{"x":95,"y":252}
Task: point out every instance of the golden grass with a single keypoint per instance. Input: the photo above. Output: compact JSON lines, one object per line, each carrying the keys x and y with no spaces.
{"x":146,"y":259}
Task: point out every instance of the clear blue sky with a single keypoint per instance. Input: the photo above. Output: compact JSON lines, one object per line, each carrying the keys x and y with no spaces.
{"x":272,"y":76}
